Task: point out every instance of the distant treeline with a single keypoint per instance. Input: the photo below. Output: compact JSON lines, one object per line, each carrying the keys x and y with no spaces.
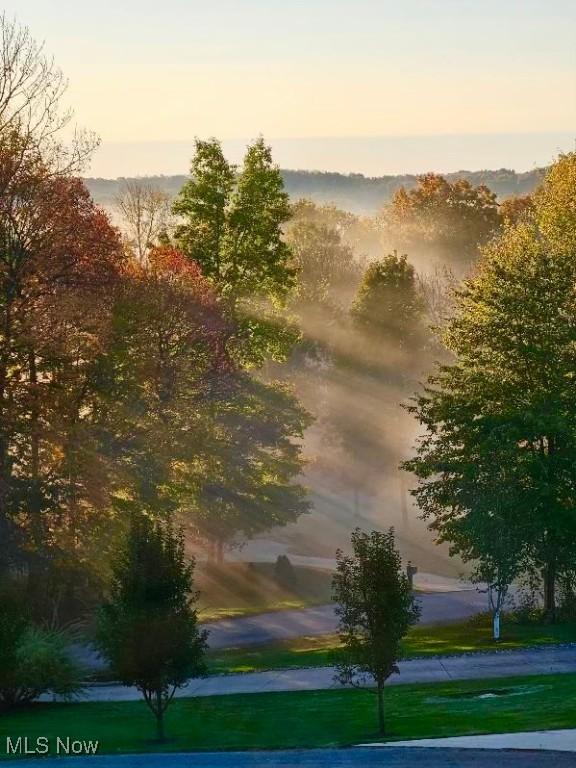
{"x":353,"y":192}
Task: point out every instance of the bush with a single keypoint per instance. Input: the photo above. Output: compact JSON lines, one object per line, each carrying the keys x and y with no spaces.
{"x":33,"y":661}
{"x":284,"y":573}
{"x":526,"y":609}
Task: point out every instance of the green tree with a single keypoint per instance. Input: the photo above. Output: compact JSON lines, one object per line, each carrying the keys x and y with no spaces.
{"x":245,"y":477}
{"x":195,"y":433}
{"x":378,"y":362}
{"x":356,"y":232}
{"x":260,"y":262}
{"x":497,"y":462}
{"x":389,"y":307}
{"x":375,"y":608}
{"x":231,"y":226}
{"x":554,"y":207}
{"x":203,"y":205}
{"x":328,"y":270}
{"x":165,"y":367}
{"x":148,"y":629}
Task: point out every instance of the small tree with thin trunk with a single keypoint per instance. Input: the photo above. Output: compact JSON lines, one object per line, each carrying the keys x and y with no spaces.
{"x":375,"y":607}
{"x":145,"y":212}
{"x":148,"y":629}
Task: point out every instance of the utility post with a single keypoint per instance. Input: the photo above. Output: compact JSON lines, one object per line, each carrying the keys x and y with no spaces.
{"x":403,"y":502}
{"x":411,"y":571}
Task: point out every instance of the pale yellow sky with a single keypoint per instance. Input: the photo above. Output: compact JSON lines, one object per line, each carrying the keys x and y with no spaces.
{"x":147,"y":105}
{"x":143,"y":71}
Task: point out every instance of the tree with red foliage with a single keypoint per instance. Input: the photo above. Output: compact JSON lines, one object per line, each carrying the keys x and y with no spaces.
{"x":198,"y":435}
{"x":166,"y":362}
{"x":59,"y":257}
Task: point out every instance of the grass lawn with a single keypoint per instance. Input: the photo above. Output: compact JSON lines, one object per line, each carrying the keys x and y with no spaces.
{"x":309,"y":719}
{"x":242,"y":589}
{"x":461,"y":637}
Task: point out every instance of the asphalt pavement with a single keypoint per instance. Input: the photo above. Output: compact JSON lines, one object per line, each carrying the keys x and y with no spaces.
{"x":437,"y":607}
{"x":324,"y":758}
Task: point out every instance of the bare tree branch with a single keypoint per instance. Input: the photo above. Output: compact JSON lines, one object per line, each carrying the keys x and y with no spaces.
{"x":32,"y":89}
{"x":145,"y":211}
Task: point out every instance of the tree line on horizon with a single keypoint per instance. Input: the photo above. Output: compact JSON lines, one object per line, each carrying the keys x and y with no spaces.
{"x":354,"y":192}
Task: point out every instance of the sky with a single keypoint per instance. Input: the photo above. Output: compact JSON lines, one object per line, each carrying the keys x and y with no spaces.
{"x":370,"y":86}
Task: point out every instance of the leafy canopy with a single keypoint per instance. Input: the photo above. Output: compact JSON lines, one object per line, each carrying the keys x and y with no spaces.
{"x":375,"y":605}
{"x":148,"y":629}
{"x":497,"y":461}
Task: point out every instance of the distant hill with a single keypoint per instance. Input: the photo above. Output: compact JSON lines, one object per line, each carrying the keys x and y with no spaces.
{"x":353,"y":192}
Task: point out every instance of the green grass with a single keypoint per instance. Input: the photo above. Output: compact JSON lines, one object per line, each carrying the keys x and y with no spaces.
{"x":476,"y":635}
{"x":309,"y":719}
{"x":462,"y":637}
{"x":243,"y":589}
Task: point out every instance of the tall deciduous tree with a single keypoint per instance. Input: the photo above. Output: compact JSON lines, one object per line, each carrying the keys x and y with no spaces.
{"x":32,"y":88}
{"x":195,"y":433}
{"x":260,"y":260}
{"x":247,"y":475}
{"x":497,"y":461}
{"x":56,"y":250}
{"x":383,"y":353}
{"x":389,"y":307}
{"x":513,"y":209}
{"x":375,"y":607}
{"x":166,"y":366}
{"x":328,"y":270}
{"x":440,"y":220}
{"x":203,"y":205}
{"x":59,"y":259}
{"x":231,"y":225}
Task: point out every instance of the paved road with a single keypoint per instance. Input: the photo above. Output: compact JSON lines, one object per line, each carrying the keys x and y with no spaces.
{"x":545,"y":661}
{"x":321,"y":620}
{"x":324,"y":758}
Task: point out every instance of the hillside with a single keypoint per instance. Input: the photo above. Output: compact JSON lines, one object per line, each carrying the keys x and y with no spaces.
{"x":354,"y":192}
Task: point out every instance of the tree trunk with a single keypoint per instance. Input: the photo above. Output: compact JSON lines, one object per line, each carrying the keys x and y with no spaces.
{"x":35,"y":498}
{"x":381,"y":725}
{"x":5,"y":350}
{"x":159,"y":717}
{"x":219,"y":551}
{"x":496,"y":625}
{"x":549,"y":576}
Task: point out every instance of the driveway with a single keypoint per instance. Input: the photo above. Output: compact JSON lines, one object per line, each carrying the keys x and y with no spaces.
{"x":558,"y":741}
